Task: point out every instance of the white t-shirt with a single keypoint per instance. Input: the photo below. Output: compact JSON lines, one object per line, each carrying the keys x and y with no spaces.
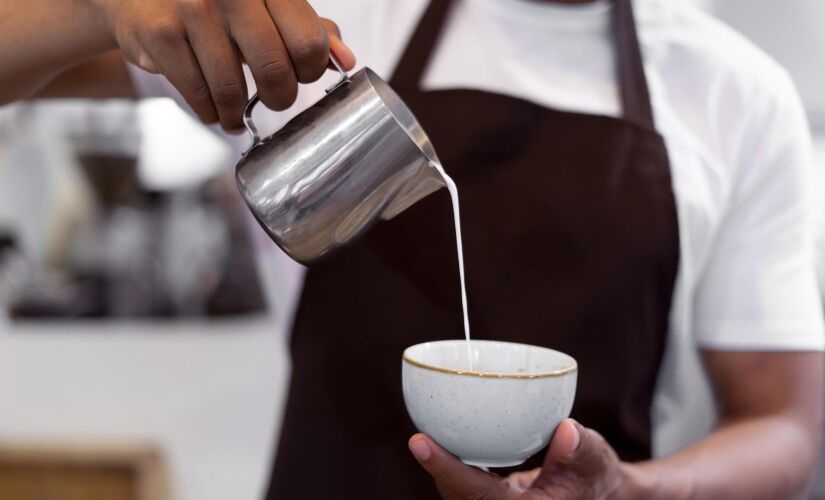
{"x":737,"y":138}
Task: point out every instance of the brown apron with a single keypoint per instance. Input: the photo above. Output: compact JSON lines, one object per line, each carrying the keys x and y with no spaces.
{"x":570,"y":240}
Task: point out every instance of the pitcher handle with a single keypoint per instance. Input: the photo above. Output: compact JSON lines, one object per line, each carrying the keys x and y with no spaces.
{"x":247,"y":112}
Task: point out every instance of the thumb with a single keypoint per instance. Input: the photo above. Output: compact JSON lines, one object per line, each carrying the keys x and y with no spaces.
{"x":456,"y":480}
{"x":576,"y":447}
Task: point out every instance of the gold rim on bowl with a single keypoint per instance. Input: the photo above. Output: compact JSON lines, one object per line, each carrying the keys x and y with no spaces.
{"x":473,"y":373}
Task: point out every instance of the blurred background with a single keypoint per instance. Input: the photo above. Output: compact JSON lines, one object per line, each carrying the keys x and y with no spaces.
{"x":142,"y":331}
{"x":135,"y":327}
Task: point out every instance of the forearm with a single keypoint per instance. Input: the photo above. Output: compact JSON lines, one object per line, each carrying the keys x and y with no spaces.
{"x":103,"y":77}
{"x":40,"y":39}
{"x":771,"y":457}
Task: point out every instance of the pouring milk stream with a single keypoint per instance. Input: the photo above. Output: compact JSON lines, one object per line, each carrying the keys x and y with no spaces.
{"x":453,"y":189}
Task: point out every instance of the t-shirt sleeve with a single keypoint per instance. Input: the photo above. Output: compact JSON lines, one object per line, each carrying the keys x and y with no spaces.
{"x":759,"y":290}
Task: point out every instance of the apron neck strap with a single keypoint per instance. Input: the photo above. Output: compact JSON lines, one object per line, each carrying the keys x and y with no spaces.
{"x":414,"y":61}
{"x":632,"y":82}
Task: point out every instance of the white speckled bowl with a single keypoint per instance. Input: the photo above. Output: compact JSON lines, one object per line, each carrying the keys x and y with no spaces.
{"x":499,"y":413}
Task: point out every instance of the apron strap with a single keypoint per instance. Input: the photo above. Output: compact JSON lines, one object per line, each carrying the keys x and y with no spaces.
{"x":636,"y":105}
{"x":414,"y":61}
{"x":635,"y":97}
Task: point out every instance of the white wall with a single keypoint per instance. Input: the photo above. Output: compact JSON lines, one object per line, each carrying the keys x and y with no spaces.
{"x":209,"y":395}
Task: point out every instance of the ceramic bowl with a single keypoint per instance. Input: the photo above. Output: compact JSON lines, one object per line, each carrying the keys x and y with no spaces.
{"x":497,"y":413}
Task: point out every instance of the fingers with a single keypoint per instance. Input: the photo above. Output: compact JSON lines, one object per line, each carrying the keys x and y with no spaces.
{"x":338,"y":48}
{"x":578,"y":448}
{"x":199,"y":46}
{"x":220,"y":65}
{"x":523,"y":480}
{"x":565,"y":440}
{"x":304,"y":36}
{"x":170,"y":53}
{"x":454,"y":479}
{"x":264,"y":51}
{"x":281,"y":57}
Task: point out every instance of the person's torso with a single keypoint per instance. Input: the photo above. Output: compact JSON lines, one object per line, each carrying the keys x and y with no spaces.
{"x":572,"y":242}
{"x":561,"y":56}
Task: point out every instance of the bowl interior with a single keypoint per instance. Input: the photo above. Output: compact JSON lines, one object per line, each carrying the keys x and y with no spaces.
{"x":491,"y":357}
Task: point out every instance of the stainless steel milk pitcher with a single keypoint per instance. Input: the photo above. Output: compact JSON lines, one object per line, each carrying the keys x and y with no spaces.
{"x":356,"y":156}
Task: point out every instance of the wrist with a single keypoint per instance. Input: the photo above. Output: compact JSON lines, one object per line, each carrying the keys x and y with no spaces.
{"x":646,"y":482}
{"x":95,"y":16}
{"x":637,"y":483}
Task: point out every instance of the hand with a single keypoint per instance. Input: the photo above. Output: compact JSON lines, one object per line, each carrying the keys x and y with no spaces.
{"x":579,"y":465}
{"x":198,"y":45}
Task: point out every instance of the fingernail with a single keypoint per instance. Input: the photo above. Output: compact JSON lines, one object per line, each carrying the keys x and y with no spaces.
{"x":576,"y":440}
{"x":342,"y":50}
{"x":350,"y":53}
{"x":420,"y":449}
